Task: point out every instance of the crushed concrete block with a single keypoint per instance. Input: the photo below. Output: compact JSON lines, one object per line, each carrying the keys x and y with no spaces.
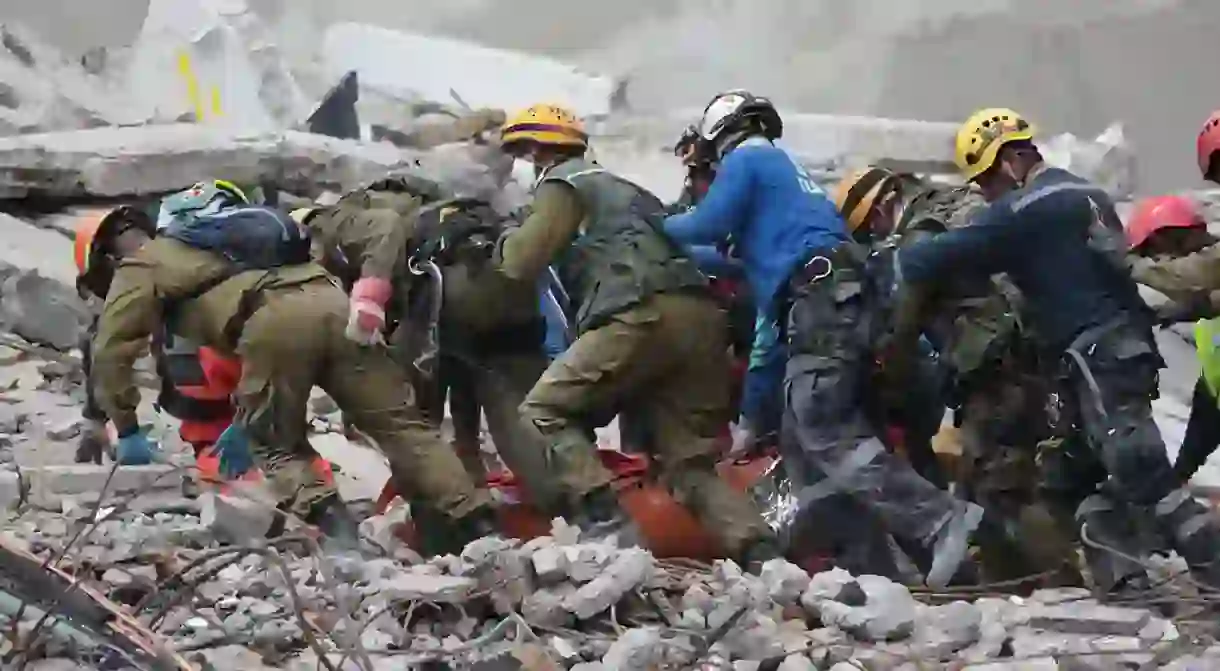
{"x":1033,"y":664}
{"x":887,"y":614}
{"x":636,"y":649}
{"x":785,"y":581}
{"x":437,"y":588}
{"x":940,"y":630}
{"x":1089,"y":618}
{"x":236,"y":519}
{"x":586,"y":561}
{"x":630,"y":569}
{"x":550,"y":564}
{"x":545,"y":606}
{"x":825,"y":586}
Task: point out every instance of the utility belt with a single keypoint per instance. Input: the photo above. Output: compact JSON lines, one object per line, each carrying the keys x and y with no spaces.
{"x":1119,"y":339}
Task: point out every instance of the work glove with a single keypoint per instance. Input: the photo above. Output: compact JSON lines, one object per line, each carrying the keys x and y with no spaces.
{"x":366,"y":316}
{"x":233,"y":448}
{"x":94,"y":442}
{"x":135,"y":449}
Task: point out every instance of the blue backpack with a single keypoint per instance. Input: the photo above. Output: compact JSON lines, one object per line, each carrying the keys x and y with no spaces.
{"x":251,"y":237}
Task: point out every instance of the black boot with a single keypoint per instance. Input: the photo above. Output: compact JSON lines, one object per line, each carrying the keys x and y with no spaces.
{"x":1194,"y":533}
{"x":1113,"y":542}
{"x":601,"y":519}
{"x":758,"y":552}
{"x":339,"y":527}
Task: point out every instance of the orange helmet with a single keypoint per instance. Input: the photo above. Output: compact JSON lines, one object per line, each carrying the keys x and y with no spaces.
{"x":97,"y":226}
{"x":1159,"y":212}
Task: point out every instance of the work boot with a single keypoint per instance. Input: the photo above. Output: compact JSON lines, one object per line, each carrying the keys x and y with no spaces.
{"x":440,"y":534}
{"x":758,"y":552}
{"x":339,"y":527}
{"x":949,"y":543}
{"x":1112,"y":545}
{"x":1195,"y":535}
{"x":601,"y":519}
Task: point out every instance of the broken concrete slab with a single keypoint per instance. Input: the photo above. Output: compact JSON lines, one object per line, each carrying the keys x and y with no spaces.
{"x":1089,"y":618}
{"x":158,"y":159}
{"x":48,"y":485}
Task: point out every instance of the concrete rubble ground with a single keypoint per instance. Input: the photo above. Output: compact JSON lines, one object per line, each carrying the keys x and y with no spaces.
{"x":148,"y":568}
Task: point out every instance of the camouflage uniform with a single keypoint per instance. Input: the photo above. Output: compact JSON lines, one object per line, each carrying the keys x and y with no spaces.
{"x":651,"y":342}
{"x":1192,"y":282}
{"x":486,"y":345}
{"x":999,"y":397}
{"x":287,"y":325}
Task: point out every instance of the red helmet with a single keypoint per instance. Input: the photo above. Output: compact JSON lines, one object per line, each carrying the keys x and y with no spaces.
{"x":1152,"y":214}
{"x":1209,"y":142}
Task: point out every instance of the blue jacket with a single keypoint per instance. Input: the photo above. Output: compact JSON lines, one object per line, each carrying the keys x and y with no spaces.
{"x":772,"y":210}
{"x":1040,"y":236}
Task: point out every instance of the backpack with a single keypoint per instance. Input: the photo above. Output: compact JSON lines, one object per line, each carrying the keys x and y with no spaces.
{"x":251,"y":237}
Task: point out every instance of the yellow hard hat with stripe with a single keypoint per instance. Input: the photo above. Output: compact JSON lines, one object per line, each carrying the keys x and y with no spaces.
{"x":859,"y":192}
{"x":981,"y":137}
{"x":544,"y":124}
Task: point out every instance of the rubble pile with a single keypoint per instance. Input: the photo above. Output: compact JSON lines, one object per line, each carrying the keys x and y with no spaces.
{"x":553,"y":603}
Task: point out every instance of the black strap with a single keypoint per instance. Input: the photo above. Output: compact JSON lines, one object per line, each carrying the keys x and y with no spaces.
{"x":861,"y":188}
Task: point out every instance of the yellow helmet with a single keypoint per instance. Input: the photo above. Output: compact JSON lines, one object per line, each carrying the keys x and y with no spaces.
{"x":856,"y":194}
{"x":544,"y":124}
{"x":980,"y":138}
{"x":301,"y":215}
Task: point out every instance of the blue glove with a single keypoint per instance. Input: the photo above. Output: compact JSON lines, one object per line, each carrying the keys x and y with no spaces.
{"x":136,"y":449}
{"x":233,"y":448}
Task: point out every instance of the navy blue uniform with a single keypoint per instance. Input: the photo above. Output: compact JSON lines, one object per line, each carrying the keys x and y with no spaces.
{"x":1060,"y":241}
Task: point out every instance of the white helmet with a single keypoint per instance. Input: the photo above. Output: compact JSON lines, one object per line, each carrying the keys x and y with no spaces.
{"x":724,"y":114}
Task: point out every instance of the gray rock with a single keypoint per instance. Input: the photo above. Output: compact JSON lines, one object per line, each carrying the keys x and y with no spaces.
{"x":636,"y":649}
{"x":550,"y":564}
{"x":236,"y":519}
{"x":887,"y":614}
{"x":825,"y":586}
{"x":42,"y":310}
{"x":785,"y":581}
{"x":944,"y":629}
{"x":545,"y":607}
{"x":630,"y":569}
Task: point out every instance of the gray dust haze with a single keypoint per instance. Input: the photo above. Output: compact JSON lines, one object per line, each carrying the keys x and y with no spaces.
{"x":1073,"y":66}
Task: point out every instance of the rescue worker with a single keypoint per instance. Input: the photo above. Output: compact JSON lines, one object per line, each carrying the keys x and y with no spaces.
{"x":449,"y":331}
{"x":1207,"y":148}
{"x":651,"y":341}
{"x":237,"y":278}
{"x":1059,"y":240}
{"x":1172,"y":252}
{"x":807,"y":276}
{"x":997,"y":393}
{"x":755,"y":336}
